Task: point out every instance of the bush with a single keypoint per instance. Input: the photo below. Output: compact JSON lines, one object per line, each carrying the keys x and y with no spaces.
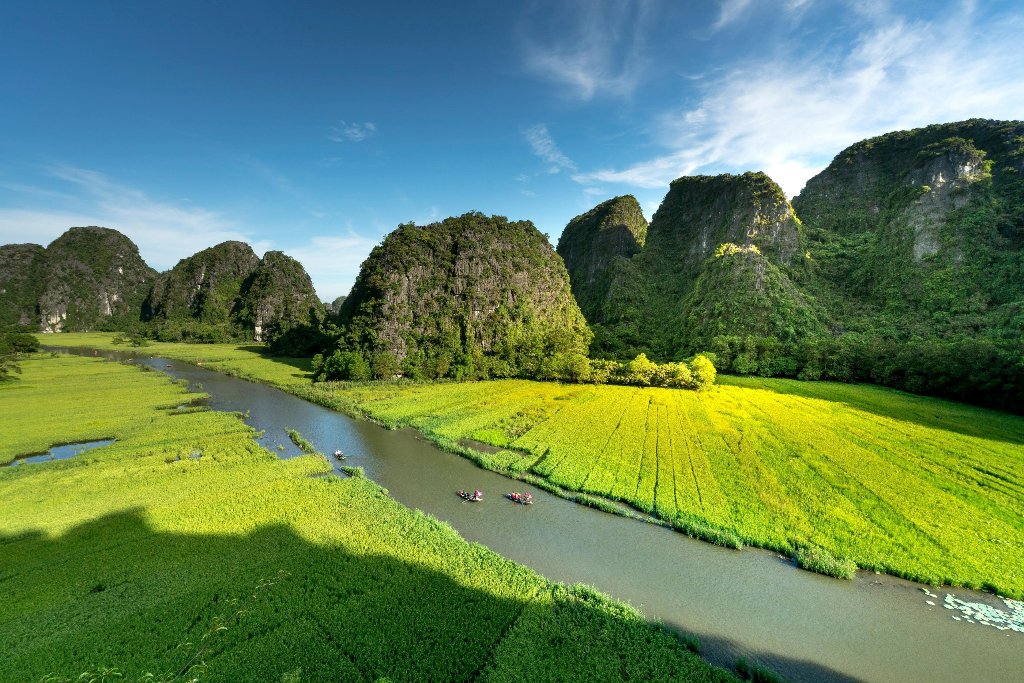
{"x":348,"y":365}
{"x":703,"y":371}
{"x":383,"y":365}
{"x":640,"y":371}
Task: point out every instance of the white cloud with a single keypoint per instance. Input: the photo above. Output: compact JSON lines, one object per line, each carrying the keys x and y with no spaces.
{"x":598,"y":49}
{"x":164,"y":232}
{"x":790,"y":115}
{"x":352,"y":132}
{"x":544,"y":146}
{"x":333,"y":261}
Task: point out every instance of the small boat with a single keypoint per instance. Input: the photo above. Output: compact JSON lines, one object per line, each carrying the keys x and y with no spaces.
{"x":474,"y":497}
{"x":521,"y":498}
{"x":339,"y":455}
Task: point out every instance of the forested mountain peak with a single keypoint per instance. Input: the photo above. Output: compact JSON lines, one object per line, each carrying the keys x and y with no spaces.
{"x":471,"y":294}
{"x":593,"y":243}
{"x":91,"y":278}
{"x":205,"y":286}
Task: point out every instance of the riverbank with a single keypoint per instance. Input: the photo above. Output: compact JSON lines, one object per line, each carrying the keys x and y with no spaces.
{"x":184,"y":546}
{"x":910,"y":486}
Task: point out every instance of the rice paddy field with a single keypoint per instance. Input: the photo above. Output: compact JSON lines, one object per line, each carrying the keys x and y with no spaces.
{"x":185,"y":551}
{"x":912,"y":486}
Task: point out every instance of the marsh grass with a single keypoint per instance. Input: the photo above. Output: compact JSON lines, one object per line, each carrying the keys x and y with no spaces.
{"x":118,"y":564}
{"x":822,"y":561}
{"x":916,"y":487}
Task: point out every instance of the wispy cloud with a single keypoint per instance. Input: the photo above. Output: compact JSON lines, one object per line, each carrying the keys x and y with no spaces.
{"x":283,"y":184}
{"x":729,"y":11}
{"x":543,"y":145}
{"x":594,"y":48}
{"x":789,"y":115}
{"x":165,"y":232}
{"x":351,"y":132}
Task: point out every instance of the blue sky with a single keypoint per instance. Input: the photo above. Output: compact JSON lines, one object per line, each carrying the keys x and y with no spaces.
{"x":316,"y":128}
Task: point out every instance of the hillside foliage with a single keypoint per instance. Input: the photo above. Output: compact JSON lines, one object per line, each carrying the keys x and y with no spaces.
{"x":470,"y":297}
{"x":901,"y":264}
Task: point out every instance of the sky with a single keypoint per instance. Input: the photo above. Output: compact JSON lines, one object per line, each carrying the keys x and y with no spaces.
{"x":316,"y":128}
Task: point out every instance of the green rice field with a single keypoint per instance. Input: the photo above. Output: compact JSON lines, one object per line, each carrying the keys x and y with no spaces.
{"x":185,"y":551}
{"x":912,"y":486}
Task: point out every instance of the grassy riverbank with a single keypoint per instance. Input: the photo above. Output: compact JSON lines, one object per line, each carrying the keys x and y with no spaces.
{"x":186,"y":547}
{"x":912,"y":486}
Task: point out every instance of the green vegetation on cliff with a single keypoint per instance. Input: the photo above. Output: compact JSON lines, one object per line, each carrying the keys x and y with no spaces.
{"x":595,"y":246}
{"x":186,"y":550}
{"x":722,"y":253}
{"x":91,"y":279}
{"x":279,"y":304}
{"x":20,"y":285}
{"x":920,"y":234}
{"x":905,"y":271}
{"x":468,"y":297}
{"x":200,"y":297}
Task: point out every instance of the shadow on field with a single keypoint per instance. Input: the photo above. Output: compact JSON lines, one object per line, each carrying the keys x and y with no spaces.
{"x":926,"y":411}
{"x":114,"y":592}
{"x":725,"y":652}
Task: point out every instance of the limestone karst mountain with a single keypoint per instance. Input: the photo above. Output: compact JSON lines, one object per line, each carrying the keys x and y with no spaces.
{"x":469,"y":291}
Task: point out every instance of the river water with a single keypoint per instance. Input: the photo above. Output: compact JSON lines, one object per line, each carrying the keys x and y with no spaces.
{"x":749,"y":603}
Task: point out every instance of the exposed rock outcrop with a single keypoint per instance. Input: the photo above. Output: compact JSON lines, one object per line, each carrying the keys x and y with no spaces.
{"x":594,"y":246}
{"x":91,"y":278}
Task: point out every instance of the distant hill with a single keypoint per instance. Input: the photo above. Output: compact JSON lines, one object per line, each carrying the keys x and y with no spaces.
{"x":89,"y":278}
{"x":19,"y":284}
{"x":473,"y":295}
{"x":94,"y":279}
{"x":206,"y":286}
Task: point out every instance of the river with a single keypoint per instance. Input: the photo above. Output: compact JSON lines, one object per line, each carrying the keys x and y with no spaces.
{"x":748,"y":603}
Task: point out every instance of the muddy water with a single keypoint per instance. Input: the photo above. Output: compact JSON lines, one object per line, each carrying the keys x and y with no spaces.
{"x":748,"y":603}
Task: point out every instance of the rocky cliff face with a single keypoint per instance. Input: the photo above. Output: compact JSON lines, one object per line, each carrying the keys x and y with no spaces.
{"x":278,"y":297}
{"x":719,"y":248}
{"x":699,"y":213}
{"x":924,"y":228}
{"x":914,"y":234}
{"x":473,"y":289}
{"x":19,"y":283}
{"x":205,"y":286}
{"x":91,"y":278}
{"x":594,"y":246}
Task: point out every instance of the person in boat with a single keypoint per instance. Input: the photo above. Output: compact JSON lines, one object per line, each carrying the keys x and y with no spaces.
{"x":478,"y":494}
